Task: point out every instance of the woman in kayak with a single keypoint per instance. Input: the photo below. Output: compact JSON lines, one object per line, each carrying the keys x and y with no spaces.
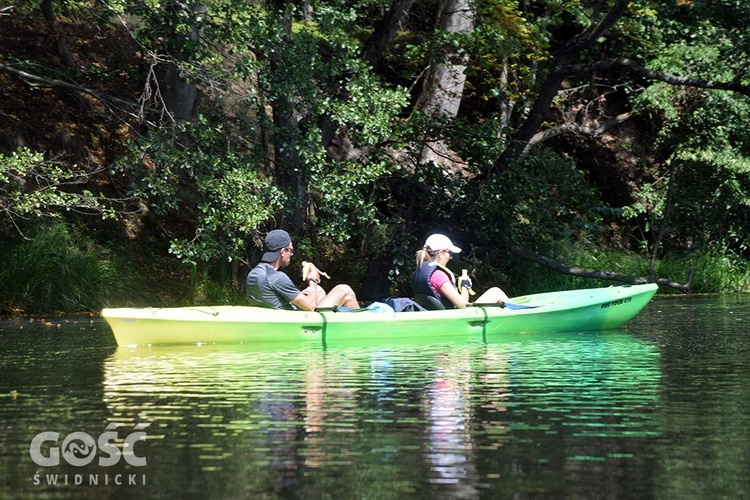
{"x":435,"y":286}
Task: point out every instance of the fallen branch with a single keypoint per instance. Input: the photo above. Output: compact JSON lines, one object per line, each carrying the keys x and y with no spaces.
{"x":527,"y":254}
{"x":662,"y":76}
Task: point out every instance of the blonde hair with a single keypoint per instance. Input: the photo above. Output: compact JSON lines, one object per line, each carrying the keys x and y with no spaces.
{"x":424,"y":254}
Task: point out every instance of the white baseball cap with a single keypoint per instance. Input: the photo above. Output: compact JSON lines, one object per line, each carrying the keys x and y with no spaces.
{"x":441,"y":242}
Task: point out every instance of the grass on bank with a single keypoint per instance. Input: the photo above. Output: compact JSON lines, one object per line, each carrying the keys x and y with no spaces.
{"x":712,"y":271}
{"x":53,"y":269}
{"x":58,"y":268}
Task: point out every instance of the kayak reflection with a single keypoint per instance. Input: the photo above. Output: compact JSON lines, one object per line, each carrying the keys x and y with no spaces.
{"x":415,"y":416}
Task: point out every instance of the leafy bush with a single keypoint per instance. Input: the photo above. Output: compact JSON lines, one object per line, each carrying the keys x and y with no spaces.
{"x":222,"y":190}
{"x":33,"y":186}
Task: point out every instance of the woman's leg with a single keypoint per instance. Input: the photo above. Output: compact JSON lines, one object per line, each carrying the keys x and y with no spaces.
{"x":492,"y":296}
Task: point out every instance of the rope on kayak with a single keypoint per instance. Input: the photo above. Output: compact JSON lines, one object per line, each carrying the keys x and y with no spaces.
{"x":485,"y":320}
{"x":325,"y":327}
{"x":213,"y":312}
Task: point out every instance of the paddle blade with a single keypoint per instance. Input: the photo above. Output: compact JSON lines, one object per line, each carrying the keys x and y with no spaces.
{"x":512,"y":306}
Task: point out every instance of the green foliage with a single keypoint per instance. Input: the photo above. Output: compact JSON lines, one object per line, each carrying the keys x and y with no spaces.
{"x":709,"y":146}
{"x":199,"y":173}
{"x":368,"y":112}
{"x":344,"y":195}
{"x":56,"y":269}
{"x":702,"y":135}
{"x":269,"y":74}
{"x":722,"y":214}
{"x":30,"y":186}
{"x":539,"y":200}
{"x":299,"y":68}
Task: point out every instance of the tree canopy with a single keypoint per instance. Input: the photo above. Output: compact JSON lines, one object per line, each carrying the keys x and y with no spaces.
{"x":362,"y":126}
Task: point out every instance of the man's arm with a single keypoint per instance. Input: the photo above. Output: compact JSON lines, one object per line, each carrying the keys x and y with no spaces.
{"x":307,"y":299}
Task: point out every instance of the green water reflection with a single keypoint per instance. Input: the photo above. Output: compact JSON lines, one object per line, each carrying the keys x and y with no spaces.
{"x":397,"y":419}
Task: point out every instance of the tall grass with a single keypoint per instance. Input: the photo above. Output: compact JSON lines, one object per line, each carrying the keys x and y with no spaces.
{"x":713,"y":271}
{"x":56,"y":269}
{"x":209,"y":290}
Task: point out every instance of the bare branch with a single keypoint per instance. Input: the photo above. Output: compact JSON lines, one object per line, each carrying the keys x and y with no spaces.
{"x":574,"y":128}
{"x":527,"y":254}
{"x":52,"y":82}
{"x":550,"y":87}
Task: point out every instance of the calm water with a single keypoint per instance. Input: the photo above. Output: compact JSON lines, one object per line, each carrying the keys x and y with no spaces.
{"x":657,"y":409}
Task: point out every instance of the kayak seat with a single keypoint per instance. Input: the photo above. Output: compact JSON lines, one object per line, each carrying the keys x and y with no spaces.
{"x":429,"y":302}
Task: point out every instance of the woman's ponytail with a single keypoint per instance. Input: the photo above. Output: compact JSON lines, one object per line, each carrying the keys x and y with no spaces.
{"x":423,"y":255}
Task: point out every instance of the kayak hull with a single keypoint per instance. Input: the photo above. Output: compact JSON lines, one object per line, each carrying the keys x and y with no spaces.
{"x":589,"y":309}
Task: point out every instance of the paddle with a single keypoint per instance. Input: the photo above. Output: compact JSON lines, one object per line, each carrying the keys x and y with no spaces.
{"x":465,"y":281}
{"x":513,"y":306}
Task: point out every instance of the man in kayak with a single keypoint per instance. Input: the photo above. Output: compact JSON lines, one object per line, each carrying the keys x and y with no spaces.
{"x":265,"y":283}
{"x":435,"y":286}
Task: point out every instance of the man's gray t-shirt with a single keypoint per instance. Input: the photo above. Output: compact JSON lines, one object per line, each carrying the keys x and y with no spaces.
{"x":275,"y":288}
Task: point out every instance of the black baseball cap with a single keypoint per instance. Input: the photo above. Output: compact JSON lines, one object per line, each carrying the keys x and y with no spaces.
{"x":274,"y":242}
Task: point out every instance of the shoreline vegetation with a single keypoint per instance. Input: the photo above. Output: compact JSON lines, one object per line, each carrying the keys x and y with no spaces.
{"x":60,"y":270}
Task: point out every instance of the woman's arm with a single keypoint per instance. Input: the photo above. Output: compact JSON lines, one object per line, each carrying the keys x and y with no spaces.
{"x":459,"y":299}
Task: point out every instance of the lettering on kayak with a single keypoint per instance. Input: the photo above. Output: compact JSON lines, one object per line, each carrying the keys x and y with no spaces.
{"x":617,"y":302}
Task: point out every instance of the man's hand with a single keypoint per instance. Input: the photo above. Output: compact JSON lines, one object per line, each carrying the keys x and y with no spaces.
{"x":310,"y":272}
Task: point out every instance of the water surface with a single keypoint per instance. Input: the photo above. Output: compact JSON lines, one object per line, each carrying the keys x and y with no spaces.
{"x":656,"y":409}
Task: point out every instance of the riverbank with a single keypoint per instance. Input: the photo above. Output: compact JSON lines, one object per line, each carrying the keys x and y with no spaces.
{"x":60,"y":269}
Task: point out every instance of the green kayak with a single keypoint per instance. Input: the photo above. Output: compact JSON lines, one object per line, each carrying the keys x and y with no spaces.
{"x":589,"y":309}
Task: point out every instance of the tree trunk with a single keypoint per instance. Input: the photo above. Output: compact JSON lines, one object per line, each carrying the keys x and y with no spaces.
{"x":444,"y":85}
{"x":288,"y":164}
{"x":48,"y":10}
{"x":385,"y":30}
{"x":506,"y":106}
{"x":527,"y":254}
{"x":567,"y":53}
{"x":177,"y":94}
{"x":665,"y":216}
